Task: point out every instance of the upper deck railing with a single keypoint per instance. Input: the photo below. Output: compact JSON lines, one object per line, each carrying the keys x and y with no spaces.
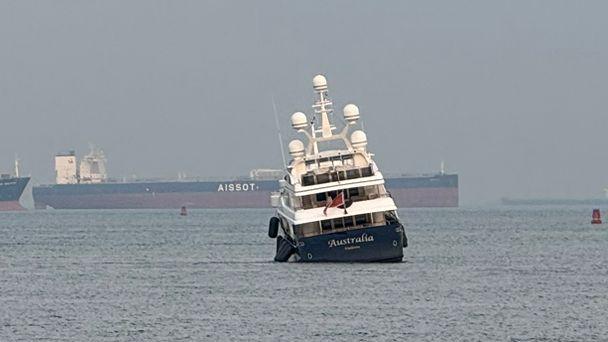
{"x":312,"y":178}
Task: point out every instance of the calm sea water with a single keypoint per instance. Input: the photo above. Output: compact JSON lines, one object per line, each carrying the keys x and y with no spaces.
{"x":493,"y":274}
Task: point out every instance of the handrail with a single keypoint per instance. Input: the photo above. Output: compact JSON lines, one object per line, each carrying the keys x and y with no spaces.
{"x":358,"y":199}
{"x":311,"y":178}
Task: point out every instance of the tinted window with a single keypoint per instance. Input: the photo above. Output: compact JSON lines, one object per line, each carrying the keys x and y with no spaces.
{"x":308,"y":180}
{"x":307,"y":202}
{"x":334,"y":176}
{"x":322,"y":178}
{"x":348,"y":221}
{"x":360,"y":219}
{"x":350,"y":174}
{"x":326,"y":225}
{"x":338,"y":223}
{"x":321,"y":197}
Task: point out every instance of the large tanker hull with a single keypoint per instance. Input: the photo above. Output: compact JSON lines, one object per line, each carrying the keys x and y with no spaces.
{"x":408,"y":192}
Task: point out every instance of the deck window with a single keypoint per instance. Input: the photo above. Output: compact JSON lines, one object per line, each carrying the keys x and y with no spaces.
{"x":334,"y":176}
{"x":326,"y":225}
{"x":321,"y":197}
{"x":322,"y":178}
{"x":345,"y":223}
{"x":307,"y":202}
{"x":307,"y":229}
{"x":311,"y":177}
{"x":351,"y":174}
{"x":308,"y":179}
{"x":360,"y":220}
{"x":366,"y":171}
{"x":338,"y":223}
{"x":348,"y":221}
{"x":353,"y":192}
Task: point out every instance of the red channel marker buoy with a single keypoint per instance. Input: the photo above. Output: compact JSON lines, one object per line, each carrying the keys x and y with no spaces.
{"x":183,"y":212}
{"x":596,"y":217}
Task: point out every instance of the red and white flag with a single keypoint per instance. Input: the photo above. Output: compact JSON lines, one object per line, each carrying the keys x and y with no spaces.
{"x":336,"y":202}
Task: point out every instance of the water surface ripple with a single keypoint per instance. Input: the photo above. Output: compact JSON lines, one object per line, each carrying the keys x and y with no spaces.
{"x":492,"y":274}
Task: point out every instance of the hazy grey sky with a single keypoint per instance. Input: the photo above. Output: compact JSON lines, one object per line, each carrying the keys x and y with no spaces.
{"x":511,"y":94}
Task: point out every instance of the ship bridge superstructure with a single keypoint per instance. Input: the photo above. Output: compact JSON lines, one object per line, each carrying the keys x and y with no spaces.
{"x":93,"y":167}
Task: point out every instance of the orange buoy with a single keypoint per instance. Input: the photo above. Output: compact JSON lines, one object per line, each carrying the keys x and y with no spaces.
{"x":596,"y":217}
{"x":183,"y":212}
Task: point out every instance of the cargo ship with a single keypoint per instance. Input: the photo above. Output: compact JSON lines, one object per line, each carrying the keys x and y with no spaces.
{"x":86,"y":185}
{"x":11,"y":189}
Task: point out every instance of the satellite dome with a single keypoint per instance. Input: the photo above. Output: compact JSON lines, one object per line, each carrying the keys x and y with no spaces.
{"x":296,"y":148}
{"x":351,"y":113}
{"x":299,"y":120}
{"x":319,"y":83}
{"x":358,"y":139}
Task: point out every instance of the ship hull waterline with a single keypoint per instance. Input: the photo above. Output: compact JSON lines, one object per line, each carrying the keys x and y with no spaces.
{"x":368,"y":244}
{"x":11,"y":206}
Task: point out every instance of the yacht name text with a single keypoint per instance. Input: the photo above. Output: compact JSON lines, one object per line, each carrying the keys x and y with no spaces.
{"x":350,"y":241}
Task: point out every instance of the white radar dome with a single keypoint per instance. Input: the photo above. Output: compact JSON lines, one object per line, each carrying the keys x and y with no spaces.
{"x":296,"y":149}
{"x":358,"y":139}
{"x":319,"y":83}
{"x":351,"y":113}
{"x":299,"y":120}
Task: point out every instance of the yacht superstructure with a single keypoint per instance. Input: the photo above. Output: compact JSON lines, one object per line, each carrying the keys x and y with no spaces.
{"x":332,"y":204}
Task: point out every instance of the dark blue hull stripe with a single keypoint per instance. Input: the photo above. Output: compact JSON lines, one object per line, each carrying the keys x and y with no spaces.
{"x":12,"y":188}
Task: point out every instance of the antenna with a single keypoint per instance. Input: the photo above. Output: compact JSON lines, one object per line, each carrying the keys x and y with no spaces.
{"x":323,"y":105}
{"x":16,"y":166}
{"x":276,"y":121}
